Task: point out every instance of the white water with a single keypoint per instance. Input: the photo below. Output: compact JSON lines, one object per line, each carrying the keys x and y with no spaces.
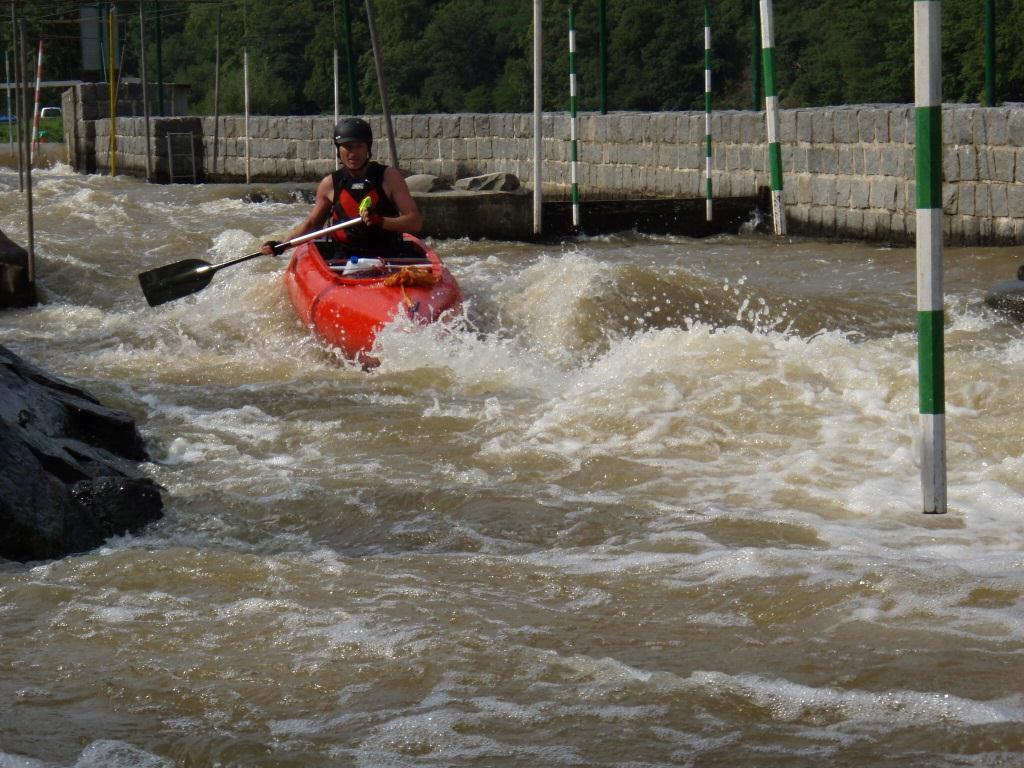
{"x":653,"y":501}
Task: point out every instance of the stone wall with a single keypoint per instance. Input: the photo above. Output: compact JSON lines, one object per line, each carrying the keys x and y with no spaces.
{"x":849,"y":171}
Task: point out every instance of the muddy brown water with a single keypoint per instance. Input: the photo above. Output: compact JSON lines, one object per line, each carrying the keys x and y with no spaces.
{"x":651,"y":501}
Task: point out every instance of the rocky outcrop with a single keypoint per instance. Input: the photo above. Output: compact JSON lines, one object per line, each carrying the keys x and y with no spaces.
{"x":15,"y":289}
{"x":69,"y":478}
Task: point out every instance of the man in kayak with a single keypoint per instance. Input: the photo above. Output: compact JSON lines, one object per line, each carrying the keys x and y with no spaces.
{"x":340,"y":196}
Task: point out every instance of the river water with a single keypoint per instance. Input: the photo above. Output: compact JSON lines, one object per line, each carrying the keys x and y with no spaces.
{"x":651,"y":501}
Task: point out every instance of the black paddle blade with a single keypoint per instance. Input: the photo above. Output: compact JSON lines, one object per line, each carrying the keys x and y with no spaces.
{"x":174,"y":281}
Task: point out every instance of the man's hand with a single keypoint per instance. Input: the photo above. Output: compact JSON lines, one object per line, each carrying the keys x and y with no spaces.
{"x":272,"y":248}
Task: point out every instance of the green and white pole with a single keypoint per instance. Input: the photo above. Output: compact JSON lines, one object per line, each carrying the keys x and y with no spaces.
{"x":930,"y":317}
{"x":573,"y":138}
{"x":707,"y":112}
{"x":771,"y":105}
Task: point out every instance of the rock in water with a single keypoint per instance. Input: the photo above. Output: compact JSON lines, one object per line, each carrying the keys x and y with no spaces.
{"x":15,"y":290}
{"x":68,"y":467}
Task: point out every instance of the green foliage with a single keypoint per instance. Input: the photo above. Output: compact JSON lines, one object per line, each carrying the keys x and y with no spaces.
{"x":477,"y":55}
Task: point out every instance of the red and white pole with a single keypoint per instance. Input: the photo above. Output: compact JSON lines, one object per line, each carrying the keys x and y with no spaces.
{"x":35,"y":116}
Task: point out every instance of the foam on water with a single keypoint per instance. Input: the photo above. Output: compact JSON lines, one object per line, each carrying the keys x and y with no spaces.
{"x":646,"y":499}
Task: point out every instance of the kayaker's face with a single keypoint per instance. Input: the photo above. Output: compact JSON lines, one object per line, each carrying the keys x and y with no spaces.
{"x":354,"y":154}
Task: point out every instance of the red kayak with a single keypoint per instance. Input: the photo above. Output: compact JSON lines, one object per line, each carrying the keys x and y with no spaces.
{"x":347,"y":308}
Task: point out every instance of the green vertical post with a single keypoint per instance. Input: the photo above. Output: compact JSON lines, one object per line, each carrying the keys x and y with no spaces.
{"x":771,"y":104}
{"x":350,"y":59}
{"x":990,"y":53}
{"x":930,"y":316}
{"x":755,"y":54}
{"x":602,"y":49}
{"x":573,"y":139}
{"x":707,"y":113}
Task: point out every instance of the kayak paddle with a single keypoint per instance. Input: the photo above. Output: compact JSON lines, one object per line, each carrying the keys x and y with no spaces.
{"x":174,"y":281}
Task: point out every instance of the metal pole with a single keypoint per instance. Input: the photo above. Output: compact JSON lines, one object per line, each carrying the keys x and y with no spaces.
{"x":573,"y":149}
{"x":159,"y":63}
{"x":707,"y":114}
{"x":28,"y":166}
{"x":334,"y":29}
{"x":36,"y":107}
{"x":112,"y":91}
{"x":353,"y":93}
{"x":145,"y":89}
{"x":245,"y":86}
{"x":19,"y":78}
{"x":216,"y":95}
{"x":755,"y":54}
{"x":771,"y":103}
{"x":10,"y":125}
{"x":538,"y":67}
{"x":334,"y":39}
{"x":990,"y":53}
{"x":930,"y":317}
{"x":602,"y":49}
{"x":379,"y":66}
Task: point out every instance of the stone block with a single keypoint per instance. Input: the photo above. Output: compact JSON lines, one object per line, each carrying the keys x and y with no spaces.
{"x":1015,"y":128}
{"x":823,"y":190}
{"x":866,"y":126}
{"x":983,"y":201}
{"x":873,"y":160}
{"x":860,"y":192}
{"x":882,"y":193}
{"x":973,"y":198}
{"x":803,"y":189}
{"x":787,"y":125}
{"x":962,"y":120}
{"x":967,"y":160}
{"x":823,"y":159}
{"x":996,"y":123}
{"x":842,"y":194}
{"x":795,"y":159}
{"x":822,"y":126}
{"x":1015,"y":200}
{"x":950,"y":164}
{"x":950,"y":199}
{"x":845,"y":126}
{"x":804,"y":121}
{"x":1004,"y":162}
{"x":900,"y":126}
{"x":997,"y":196}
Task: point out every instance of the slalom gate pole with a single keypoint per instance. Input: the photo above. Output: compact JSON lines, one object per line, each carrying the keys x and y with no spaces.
{"x":112,"y":90}
{"x":573,"y":138}
{"x":990,"y":53}
{"x":245,"y":87}
{"x":930,"y":316}
{"x":538,"y":113}
{"x":707,"y":112}
{"x":37,"y":108}
{"x":10,"y":125}
{"x":771,"y":102}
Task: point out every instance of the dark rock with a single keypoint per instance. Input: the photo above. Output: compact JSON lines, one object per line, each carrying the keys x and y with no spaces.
{"x":15,"y":290}
{"x":1007,"y":297}
{"x":68,"y":474}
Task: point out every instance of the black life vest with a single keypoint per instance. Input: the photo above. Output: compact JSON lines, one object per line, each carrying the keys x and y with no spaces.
{"x":348,"y":194}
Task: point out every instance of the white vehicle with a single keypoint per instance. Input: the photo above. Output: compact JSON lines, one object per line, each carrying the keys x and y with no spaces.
{"x":50,"y":112}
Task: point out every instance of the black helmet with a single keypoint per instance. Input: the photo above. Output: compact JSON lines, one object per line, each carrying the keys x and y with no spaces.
{"x":353,"y":129}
